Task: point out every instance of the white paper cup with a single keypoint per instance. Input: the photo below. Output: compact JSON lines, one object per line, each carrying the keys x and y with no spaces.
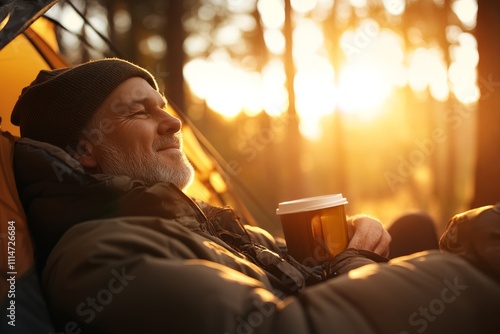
{"x":315,"y":228}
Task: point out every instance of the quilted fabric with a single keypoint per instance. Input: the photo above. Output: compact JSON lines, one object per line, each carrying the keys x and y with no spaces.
{"x":475,"y":235}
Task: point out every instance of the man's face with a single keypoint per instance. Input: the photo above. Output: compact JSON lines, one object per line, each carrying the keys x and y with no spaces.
{"x":133,"y":135}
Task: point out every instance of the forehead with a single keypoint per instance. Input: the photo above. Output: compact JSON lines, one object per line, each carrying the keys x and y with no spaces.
{"x":131,"y":92}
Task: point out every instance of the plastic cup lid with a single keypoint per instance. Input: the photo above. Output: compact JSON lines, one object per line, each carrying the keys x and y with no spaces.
{"x":310,"y":204}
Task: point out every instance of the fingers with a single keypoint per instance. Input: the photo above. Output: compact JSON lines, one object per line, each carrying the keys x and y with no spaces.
{"x":383,"y":246}
{"x":368,"y":233}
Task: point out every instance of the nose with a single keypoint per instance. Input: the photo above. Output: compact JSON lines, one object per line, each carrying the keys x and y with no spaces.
{"x":168,"y":124}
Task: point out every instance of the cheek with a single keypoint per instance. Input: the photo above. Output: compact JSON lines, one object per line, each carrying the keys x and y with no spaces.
{"x":133,"y":138}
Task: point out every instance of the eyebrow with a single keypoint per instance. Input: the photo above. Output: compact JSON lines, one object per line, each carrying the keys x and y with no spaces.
{"x":122,"y":107}
{"x":149,"y":99}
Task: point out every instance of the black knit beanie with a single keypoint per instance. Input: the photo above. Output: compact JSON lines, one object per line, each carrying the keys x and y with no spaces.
{"x":59,"y":103}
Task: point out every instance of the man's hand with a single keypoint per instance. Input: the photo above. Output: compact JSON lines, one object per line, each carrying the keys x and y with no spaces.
{"x":368,"y":233}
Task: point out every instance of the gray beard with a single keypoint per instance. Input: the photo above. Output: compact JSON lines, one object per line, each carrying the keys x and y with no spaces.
{"x":146,"y":167}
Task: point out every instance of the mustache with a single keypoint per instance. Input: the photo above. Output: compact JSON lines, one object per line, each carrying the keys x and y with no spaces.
{"x":168,"y":141}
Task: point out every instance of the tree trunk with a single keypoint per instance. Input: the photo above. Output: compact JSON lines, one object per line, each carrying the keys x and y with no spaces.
{"x":293,"y":151}
{"x":174,"y":35}
{"x":487,"y":189}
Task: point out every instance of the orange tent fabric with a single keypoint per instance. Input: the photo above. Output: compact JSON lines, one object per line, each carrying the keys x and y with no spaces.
{"x":20,"y":62}
{"x":16,"y":248}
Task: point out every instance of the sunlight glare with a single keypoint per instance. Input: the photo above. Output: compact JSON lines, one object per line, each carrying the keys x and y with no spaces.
{"x":424,"y":62}
{"x":307,"y":37}
{"x":362,"y":88}
{"x":322,"y":10}
{"x":206,"y":12}
{"x":462,"y":71}
{"x":197,"y":74}
{"x":463,"y":81}
{"x":468,"y":49}
{"x":315,"y":88}
{"x":428,"y":70}
{"x":466,"y":10}
{"x":196,"y":44}
{"x":226,"y":35}
{"x":73,"y":22}
{"x":275,"y":41}
{"x":70,"y":19}
{"x":154,"y":45}
{"x":358,"y":3}
{"x":375,"y":63}
{"x":417,"y":75}
{"x":241,"y":6}
{"x":395,"y":7}
{"x":252,"y":86}
{"x":325,"y":4}
{"x":122,"y":21}
{"x":275,"y":100}
{"x":314,"y":94}
{"x":303,"y":6}
{"x":310,"y":127}
{"x":272,"y":13}
{"x":245,"y":22}
{"x":228,"y":89}
{"x":357,"y":42}
{"x":369,"y":78}
{"x":439,"y":87}
{"x":275,"y":95}
{"x":452,"y":33}
{"x":225,"y":91}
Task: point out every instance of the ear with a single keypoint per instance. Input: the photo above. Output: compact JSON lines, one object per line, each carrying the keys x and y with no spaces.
{"x":85,"y":154}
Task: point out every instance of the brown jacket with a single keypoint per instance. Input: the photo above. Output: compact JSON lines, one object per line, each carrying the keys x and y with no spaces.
{"x":119,"y":257}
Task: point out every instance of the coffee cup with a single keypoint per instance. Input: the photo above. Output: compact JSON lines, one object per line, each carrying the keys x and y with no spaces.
{"x":315,"y":228}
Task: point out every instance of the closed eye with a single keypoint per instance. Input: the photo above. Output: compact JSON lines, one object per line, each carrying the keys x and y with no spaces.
{"x":140,"y":113}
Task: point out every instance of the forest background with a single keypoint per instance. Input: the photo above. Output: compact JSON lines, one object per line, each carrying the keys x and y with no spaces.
{"x":392,"y":103}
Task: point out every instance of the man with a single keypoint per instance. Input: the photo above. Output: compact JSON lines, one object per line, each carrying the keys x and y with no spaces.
{"x":116,"y":236}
